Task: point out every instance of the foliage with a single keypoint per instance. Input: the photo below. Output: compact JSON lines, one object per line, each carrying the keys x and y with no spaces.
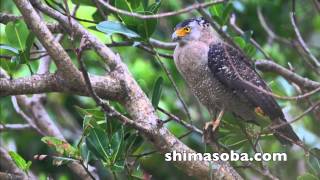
{"x":19,"y":161}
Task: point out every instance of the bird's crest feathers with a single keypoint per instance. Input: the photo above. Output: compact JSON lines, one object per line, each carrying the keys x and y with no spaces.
{"x":201,"y":21}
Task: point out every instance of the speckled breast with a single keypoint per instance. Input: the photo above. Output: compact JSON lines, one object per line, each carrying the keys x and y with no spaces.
{"x":192,"y":63}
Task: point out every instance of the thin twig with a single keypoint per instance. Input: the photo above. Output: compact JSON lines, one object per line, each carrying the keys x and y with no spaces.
{"x":24,"y":116}
{"x":185,"y":108}
{"x":252,"y":41}
{"x":269,"y":31}
{"x":101,"y":11}
{"x":311,"y":108}
{"x":138,"y":156}
{"x":160,"y":15}
{"x":87,"y":170}
{"x":5,"y":18}
{"x":15,"y":127}
{"x":302,"y":43}
{"x":183,"y":123}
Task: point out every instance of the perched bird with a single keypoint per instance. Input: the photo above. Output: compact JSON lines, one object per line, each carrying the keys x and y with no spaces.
{"x":223,"y":79}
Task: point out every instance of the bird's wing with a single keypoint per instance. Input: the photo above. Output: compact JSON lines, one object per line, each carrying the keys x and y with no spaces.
{"x":232,"y":68}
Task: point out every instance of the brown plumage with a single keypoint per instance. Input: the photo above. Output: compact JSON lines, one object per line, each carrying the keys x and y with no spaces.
{"x":222,"y":77}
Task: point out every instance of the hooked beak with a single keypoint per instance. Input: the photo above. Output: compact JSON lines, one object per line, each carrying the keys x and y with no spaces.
{"x":178,"y":34}
{"x":174,"y":37}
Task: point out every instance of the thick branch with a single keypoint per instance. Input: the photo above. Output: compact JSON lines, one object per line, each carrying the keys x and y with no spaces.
{"x":6,"y":18}
{"x":29,"y":85}
{"x":106,"y":86}
{"x":55,"y":50}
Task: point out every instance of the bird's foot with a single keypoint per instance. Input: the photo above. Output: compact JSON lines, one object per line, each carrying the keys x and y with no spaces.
{"x":214,"y":124}
{"x":210,"y":128}
{"x":210,"y":131}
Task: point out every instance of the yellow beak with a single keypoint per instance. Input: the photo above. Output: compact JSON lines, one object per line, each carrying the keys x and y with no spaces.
{"x":178,"y":34}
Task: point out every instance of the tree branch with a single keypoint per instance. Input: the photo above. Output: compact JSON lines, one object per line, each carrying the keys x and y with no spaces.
{"x":240,"y":32}
{"x":6,"y":18}
{"x":14,"y":127}
{"x":55,"y":50}
{"x":304,"y":46}
{"x":106,"y":86}
{"x":269,"y":31}
{"x":265,"y":65}
{"x":160,"y":15}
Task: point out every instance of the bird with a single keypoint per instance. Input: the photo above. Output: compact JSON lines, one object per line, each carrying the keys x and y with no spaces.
{"x":224,"y":79}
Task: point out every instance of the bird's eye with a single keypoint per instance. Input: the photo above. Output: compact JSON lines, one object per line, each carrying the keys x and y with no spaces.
{"x":187,"y":29}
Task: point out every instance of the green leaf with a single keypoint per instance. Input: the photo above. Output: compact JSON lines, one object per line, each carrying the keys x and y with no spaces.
{"x":157,"y":90}
{"x":28,"y":165}
{"x":19,"y":161}
{"x":62,"y":147}
{"x":112,"y":126}
{"x":117,"y":167}
{"x":98,"y":144}
{"x":250,"y":50}
{"x":137,"y":173}
{"x":307,"y":176}
{"x":9,"y":66}
{"x":28,"y":45}
{"x":240,"y":41}
{"x":25,"y":54}
{"x":85,"y":153}
{"x":217,"y":10}
{"x":94,"y":112}
{"x":226,"y":13}
{"x":221,"y":13}
{"x":110,"y":27}
{"x":154,"y":8}
{"x":117,"y":143}
{"x":84,"y":2}
{"x":10,"y":48}
{"x":128,"y":20}
{"x":16,"y":34}
{"x":144,"y":27}
{"x":134,"y":3}
{"x":133,"y":142}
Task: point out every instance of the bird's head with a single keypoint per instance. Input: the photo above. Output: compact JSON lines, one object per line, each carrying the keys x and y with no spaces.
{"x":195,"y":29}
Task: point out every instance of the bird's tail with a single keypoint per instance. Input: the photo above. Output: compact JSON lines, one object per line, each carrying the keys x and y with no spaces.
{"x":284,"y":133}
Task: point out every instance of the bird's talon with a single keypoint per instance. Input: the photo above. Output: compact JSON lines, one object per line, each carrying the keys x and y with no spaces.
{"x":207,"y":125}
{"x":213,"y":125}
